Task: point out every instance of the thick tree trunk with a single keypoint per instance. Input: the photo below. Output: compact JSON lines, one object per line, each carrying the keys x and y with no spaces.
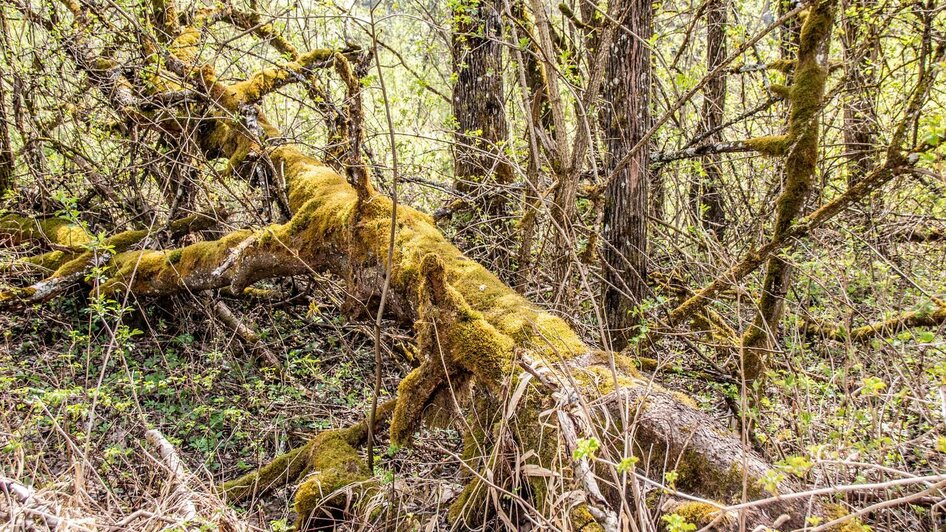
{"x":478,"y":104}
{"x":626,"y":118}
{"x":481,"y":169}
{"x":706,"y":194}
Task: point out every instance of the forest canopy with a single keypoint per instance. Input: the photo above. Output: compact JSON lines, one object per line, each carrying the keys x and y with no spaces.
{"x":478,"y":264}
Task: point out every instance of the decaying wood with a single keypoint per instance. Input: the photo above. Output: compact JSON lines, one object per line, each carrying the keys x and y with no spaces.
{"x":177,"y":474}
{"x":31,"y":504}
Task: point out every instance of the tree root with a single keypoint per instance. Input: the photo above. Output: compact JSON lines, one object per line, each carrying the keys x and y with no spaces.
{"x":326,"y":465}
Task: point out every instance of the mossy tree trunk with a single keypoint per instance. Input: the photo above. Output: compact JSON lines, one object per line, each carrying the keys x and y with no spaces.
{"x":801,"y":147}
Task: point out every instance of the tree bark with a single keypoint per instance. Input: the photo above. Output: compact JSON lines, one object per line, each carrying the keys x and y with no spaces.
{"x":481,"y":170}
{"x":860,"y":114}
{"x":6,"y":148}
{"x":626,"y":118}
{"x":478,"y":103}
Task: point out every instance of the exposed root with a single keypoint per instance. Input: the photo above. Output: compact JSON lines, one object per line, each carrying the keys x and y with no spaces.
{"x":327,"y":465}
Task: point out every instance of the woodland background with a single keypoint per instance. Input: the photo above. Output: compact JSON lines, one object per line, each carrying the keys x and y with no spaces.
{"x":606,"y":161}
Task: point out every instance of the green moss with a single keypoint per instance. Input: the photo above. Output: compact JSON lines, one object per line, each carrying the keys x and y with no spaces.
{"x":50,"y":260}
{"x":836,"y":511}
{"x":801,"y":149}
{"x":57,"y":231}
{"x":583,"y":521}
{"x":773,"y":145}
{"x":781,"y":90}
{"x":694,"y":475}
{"x":282,"y":470}
{"x":782,"y":65}
{"x":174,"y":256}
{"x":335,"y":464}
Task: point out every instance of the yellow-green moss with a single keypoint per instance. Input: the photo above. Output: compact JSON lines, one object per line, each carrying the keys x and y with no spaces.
{"x":283,"y":469}
{"x":694,"y":475}
{"x":335,"y":464}
{"x":782,"y":65}
{"x":836,"y":511}
{"x":773,"y":145}
{"x":50,"y":260}
{"x":583,"y":521}
{"x":57,"y":231}
{"x":270,"y":79}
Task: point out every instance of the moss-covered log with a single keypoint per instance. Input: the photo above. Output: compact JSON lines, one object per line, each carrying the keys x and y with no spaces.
{"x":72,"y":264}
{"x":60,"y":232}
{"x":907,"y":320}
{"x":471,"y":326}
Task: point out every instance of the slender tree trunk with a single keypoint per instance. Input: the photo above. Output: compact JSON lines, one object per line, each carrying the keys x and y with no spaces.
{"x":860,"y":106}
{"x":538,"y":121}
{"x":625,"y":120}
{"x":563,"y":210}
{"x":6,"y":149}
{"x":706,"y":194}
{"x":802,"y":142}
{"x":482,"y":133}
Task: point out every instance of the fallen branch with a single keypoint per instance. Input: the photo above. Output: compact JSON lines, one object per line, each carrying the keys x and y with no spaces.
{"x":245,"y":330}
{"x":178,"y":474}
{"x":26,"y":496}
{"x":907,"y":320}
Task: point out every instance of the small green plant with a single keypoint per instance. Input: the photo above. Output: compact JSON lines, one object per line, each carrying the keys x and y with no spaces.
{"x":586,"y":448}
{"x":627,"y":464}
{"x":677,"y":523}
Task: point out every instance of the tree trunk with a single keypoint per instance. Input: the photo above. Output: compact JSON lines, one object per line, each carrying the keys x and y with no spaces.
{"x":860,"y":115}
{"x":480,"y":162}
{"x":706,"y":194}
{"x":626,"y":118}
{"x":6,"y":148}
{"x":801,"y":145}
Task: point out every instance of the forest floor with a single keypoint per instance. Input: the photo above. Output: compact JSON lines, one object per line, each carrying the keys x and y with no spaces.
{"x":80,"y":389}
{"x":82,"y":380}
